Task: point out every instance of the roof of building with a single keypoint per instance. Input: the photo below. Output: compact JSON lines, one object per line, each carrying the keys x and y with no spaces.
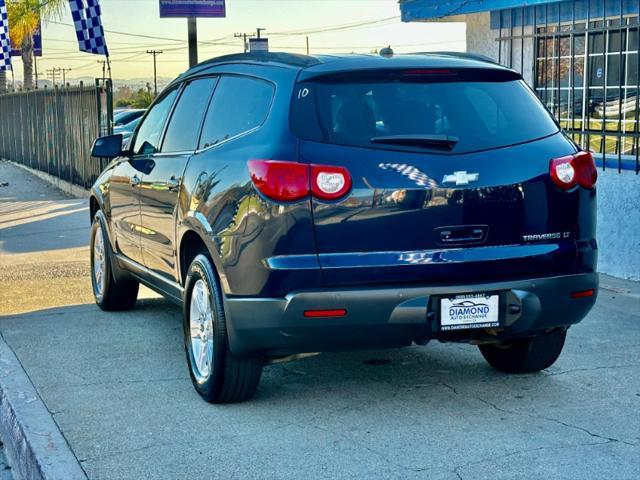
{"x":415,"y":10}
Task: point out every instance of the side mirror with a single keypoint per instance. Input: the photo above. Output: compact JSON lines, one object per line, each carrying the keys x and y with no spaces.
{"x":107,"y":147}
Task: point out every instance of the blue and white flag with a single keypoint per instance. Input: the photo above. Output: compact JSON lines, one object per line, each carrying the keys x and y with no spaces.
{"x":5,"y":43}
{"x":89,"y":32}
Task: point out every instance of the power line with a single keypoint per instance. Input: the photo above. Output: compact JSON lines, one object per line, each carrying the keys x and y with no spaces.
{"x":140,"y":35}
{"x":334,"y":28}
{"x":244,"y":37}
{"x":63,"y":72}
{"x":52,"y":74}
{"x":327,"y":28}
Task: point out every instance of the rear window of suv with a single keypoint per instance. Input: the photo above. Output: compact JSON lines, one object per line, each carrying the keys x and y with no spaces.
{"x":472,"y":111}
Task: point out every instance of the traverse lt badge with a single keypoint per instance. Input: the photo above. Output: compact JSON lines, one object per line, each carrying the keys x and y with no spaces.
{"x":461,"y":178}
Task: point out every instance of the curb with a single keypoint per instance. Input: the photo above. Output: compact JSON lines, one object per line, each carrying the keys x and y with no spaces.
{"x":34,"y":445}
{"x":67,"y":187}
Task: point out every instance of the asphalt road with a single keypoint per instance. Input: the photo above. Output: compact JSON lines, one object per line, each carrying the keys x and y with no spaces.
{"x":118,"y":387}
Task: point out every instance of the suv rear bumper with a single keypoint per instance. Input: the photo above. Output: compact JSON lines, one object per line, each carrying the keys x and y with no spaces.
{"x":387,"y":317}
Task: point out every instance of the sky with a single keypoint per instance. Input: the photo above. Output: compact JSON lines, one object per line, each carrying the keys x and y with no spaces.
{"x":363,"y":25}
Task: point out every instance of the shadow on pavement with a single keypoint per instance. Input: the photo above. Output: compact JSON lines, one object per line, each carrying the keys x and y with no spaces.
{"x":42,"y":229}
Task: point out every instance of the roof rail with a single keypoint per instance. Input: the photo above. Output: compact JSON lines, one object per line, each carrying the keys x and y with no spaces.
{"x":292,"y":59}
{"x":470,"y":56}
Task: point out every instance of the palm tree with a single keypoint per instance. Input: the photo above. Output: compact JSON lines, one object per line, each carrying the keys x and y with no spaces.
{"x":24,"y":18}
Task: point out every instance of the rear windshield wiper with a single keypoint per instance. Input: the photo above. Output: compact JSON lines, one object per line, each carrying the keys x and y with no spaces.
{"x":431,"y":141}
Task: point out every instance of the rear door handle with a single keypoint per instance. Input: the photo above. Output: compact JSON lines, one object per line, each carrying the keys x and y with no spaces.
{"x":461,"y":234}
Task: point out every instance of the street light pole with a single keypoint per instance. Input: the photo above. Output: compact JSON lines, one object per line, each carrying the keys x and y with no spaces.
{"x":155,"y":53}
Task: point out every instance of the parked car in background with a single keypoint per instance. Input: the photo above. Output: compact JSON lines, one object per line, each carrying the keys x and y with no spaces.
{"x":127,"y":130}
{"x":124,"y":117}
{"x":295,"y":204}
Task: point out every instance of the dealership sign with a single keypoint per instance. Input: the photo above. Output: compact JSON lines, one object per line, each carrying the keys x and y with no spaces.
{"x":192,"y":8}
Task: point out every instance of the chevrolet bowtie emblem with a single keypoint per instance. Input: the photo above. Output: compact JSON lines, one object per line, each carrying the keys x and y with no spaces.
{"x":461,"y":178}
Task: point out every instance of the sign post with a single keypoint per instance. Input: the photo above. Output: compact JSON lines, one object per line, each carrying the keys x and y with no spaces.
{"x":192,"y":34}
{"x":192,"y":9}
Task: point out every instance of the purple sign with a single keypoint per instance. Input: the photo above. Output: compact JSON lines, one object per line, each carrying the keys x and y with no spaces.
{"x":192,"y":8}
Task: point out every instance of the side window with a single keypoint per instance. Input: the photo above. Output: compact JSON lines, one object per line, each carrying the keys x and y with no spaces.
{"x":238,"y":105}
{"x":184,"y":126}
{"x":150,"y":132}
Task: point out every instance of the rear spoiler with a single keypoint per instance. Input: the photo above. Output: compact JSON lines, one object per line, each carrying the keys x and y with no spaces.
{"x":415,"y":74}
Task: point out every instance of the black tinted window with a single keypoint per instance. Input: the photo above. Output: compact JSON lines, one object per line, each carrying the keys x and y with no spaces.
{"x":150,"y":132}
{"x":480,"y":114}
{"x":239,"y":104}
{"x":184,"y":126}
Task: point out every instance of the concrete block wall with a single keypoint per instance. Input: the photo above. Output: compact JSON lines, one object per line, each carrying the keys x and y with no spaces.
{"x":619,"y":223}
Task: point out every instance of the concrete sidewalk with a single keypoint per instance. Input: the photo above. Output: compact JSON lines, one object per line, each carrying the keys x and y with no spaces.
{"x":118,"y":388}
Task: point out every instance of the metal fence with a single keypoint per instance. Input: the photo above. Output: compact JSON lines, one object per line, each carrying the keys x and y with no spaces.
{"x":584,"y":56}
{"x":52,"y":130}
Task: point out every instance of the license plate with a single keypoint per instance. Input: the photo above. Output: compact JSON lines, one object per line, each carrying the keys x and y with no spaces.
{"x":469,"y":311}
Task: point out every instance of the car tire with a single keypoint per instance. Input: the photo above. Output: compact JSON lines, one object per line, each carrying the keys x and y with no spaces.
{"x":526,"y":355}
{"x":217,"y":374}
{"x":110,"y":294}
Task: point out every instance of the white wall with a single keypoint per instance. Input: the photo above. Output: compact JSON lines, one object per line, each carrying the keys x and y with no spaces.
{"x":619,"y":224}
{"x":482,"y":40}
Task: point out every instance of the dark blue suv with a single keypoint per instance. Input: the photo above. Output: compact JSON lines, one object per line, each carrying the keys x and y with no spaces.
{"x":297,"y":204}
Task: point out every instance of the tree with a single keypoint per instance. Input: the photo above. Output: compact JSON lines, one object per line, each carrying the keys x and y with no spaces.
{"x":24,"y":18}
{"x":142,"y":99}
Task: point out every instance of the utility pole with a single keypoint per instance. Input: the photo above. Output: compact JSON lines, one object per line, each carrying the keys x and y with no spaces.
{"x":35,"y":70}
{"x":258,"y":30}
{"x":63,"y":71}
{"x":192,"y":33}
{"x":52,"y":75}
{"x":244,"y":37}
{"x":155,"y":53}
{"x":307,"y":37}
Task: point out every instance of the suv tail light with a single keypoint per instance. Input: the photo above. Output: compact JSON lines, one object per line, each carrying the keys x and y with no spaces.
{"x":329,"y":183}
{"x":290,"y":181}
{"x":579,"y":169}
{"x":282,"y":181}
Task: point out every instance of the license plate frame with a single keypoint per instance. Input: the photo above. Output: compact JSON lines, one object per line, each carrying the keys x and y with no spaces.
{"x":469,"y":311}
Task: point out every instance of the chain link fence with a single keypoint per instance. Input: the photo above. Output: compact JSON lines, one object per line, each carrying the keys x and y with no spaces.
{"x":52,"y":130}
